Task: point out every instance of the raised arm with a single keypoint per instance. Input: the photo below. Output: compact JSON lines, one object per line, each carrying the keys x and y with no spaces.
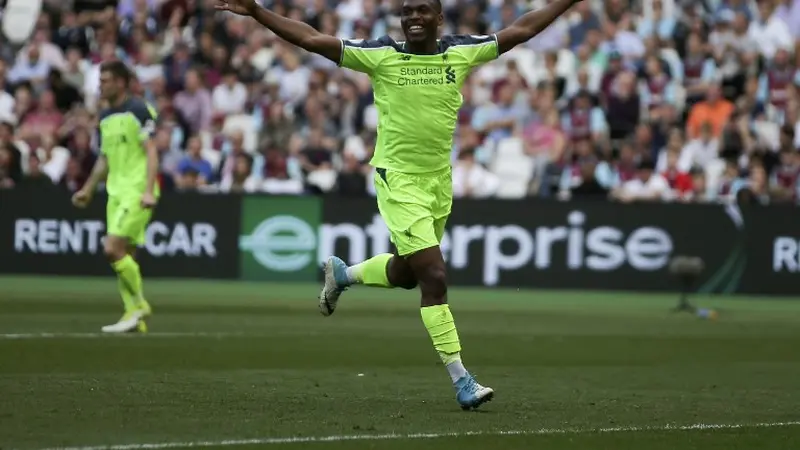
{"x":292,"y":31}
{"x":531,"y":24}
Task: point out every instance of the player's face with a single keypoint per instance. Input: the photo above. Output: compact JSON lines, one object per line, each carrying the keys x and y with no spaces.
{"x":110,"y":86}
{"x":420,"y":20}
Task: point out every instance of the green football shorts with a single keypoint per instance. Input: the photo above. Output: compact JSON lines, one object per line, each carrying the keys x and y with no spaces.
{"x":415,"y":207}
{"x":126,"y":218}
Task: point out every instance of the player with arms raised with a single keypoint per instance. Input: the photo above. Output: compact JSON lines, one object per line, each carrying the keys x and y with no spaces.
{"x":130,"y":161}
{"x":417,"y":86}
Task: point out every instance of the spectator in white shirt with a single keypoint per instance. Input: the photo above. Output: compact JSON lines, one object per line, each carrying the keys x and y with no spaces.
{"x":470,"y":179}
{"x":699,"y":152}
{"x":770,"y":32}
{"x":33,"y":68}
{"x":230,"y":96}
{"x":646,"y":186}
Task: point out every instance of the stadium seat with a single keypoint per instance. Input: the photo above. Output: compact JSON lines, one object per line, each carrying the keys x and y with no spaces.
{"x":247,"y":126}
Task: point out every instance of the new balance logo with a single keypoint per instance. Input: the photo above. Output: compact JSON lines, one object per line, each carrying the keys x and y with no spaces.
{"x":405,"y":57}
{"x":450,"y":75}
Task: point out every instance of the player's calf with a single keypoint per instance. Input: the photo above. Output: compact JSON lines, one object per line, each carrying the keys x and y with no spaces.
{"x":430,"y":270}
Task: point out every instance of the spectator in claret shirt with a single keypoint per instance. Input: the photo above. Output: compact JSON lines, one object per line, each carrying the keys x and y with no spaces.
{"x":583,"y":120}
{"x":785,"y":178}
{"x":623,"y":107}
{"x":776,"y":84}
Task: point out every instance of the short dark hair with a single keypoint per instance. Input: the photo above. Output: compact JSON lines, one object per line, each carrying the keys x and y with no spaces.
{"x":117,"y":69}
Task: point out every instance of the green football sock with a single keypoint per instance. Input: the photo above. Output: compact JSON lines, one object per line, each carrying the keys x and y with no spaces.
{"x":127,"y":298}
{"x":130,"y":281}
{"x":371,"y":272}
{"x":440,"y":325}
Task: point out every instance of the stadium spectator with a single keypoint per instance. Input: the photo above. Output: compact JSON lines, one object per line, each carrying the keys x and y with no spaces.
{"x":241,"y":179}
{"x":230,"y":96}
{"x":647,"y":185}
{"x":714,"y":110}
{"x":193,"y":170}
{"x":625,"y":74}
{"x":10,"y":170}
{"x":470,"y":179}
{"x":35,"y":177}
{"x":194,"y":103}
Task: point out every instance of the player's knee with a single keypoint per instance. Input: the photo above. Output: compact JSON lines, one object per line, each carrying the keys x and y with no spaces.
{"x":434,"y":281}
{"x":408,"y":283}
{"x":400,"y":274}
{"x":114,"y":249}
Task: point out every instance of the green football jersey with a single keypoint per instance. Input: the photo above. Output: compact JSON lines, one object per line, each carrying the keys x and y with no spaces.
{"x":123,"y":132}
{"x":417,"y":96}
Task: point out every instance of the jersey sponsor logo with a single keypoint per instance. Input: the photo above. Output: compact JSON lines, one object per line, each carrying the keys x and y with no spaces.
{"x":56,"y":237}
{"x":426,"y":76}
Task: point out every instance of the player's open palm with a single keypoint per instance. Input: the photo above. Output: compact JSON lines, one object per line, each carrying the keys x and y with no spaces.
{"x":82,"y":198}
{"x":241,"y":7}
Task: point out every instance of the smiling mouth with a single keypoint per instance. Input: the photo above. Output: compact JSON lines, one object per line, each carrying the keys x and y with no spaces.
{"x":415,"y":29}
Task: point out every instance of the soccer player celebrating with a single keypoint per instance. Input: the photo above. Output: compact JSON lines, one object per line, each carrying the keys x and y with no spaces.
{"x":417,"y":86}
{"x":130,"y":162}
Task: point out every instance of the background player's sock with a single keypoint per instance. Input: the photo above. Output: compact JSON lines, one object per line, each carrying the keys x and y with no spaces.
{"x":441,"y":327}
{"x":371,"y":272}
{"x":127,"y":299}
{"x":130,"y":279}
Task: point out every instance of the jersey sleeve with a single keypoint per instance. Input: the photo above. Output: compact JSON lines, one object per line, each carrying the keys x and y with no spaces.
{"x":477,"y":49}
{"x":145,"y":122}
{"x":364,"y":55}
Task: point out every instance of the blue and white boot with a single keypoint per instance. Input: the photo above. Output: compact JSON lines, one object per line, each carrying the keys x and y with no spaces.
{"x":470,"y":394}
{"x":336,"y":282}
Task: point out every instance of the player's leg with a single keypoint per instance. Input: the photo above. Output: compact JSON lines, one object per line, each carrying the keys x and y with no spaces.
{"x":386,"y":270}
{"x":123,"y":231}
{"x":429,"y":269}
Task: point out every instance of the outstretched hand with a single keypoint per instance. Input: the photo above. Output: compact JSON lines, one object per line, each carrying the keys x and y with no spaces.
{"x":241,"y":7}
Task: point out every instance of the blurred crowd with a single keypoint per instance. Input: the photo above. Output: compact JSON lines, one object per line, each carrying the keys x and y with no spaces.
{"x":629,"y":100}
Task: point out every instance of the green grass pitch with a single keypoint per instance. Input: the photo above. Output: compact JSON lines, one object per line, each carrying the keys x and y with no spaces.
{"x":229,"y":362}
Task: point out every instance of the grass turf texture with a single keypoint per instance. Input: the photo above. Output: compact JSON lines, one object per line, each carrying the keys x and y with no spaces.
{"x":265,"y":363}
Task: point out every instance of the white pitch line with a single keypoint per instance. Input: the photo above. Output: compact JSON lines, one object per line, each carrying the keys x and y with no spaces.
{"x":10,"y":336}
{"x":392,"y":436}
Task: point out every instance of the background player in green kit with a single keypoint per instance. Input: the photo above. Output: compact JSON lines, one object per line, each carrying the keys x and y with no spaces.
{"x":130,"y":162}
{"x":417,"y":87}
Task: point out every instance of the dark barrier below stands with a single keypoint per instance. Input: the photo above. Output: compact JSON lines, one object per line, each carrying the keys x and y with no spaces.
{"x":526,"y":244}
{"x":189,"y":236}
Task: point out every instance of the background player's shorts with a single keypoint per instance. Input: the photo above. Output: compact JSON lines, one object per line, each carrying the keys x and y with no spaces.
{"x":415,"y":207}
{"x":125,"y":217}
